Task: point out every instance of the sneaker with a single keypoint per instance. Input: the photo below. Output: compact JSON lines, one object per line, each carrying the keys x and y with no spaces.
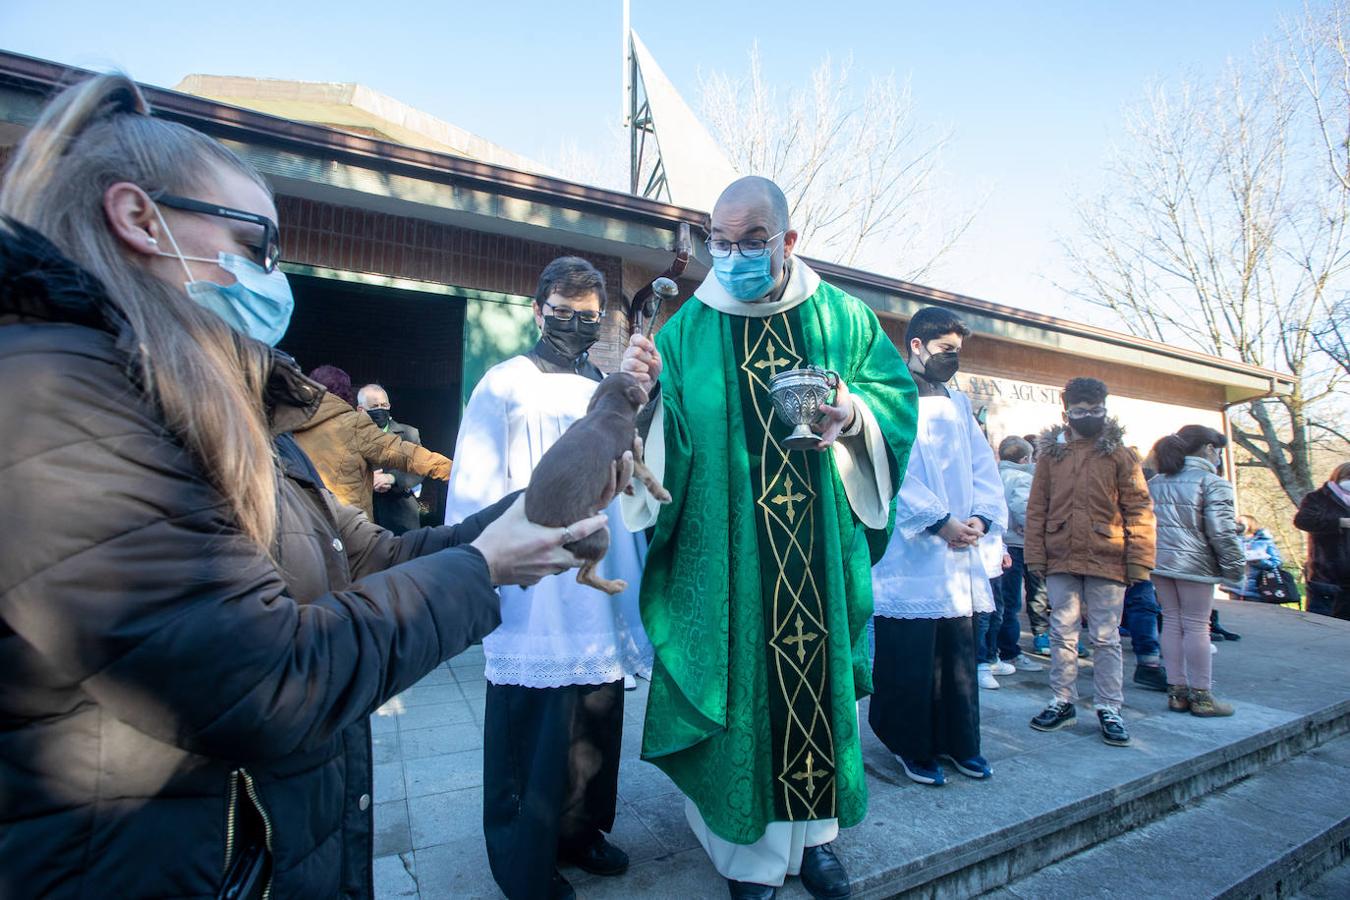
{"x":1212,"y":648}
{"x":976,"y":767}
{"x":1084,"y":651}
{"x":1217,"y":636}
{"x":986,"y":677}
{"x":1055,"y":716}
{"x":1150,"y":678}
{"x":923,"y":771}
{"x":1113,"y":727}
{"x":1040,"y":645}
{"x":1002,"y":667}
{"x":1024,"y":663}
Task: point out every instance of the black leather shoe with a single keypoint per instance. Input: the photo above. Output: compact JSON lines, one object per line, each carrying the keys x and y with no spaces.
{"x":747,"y":890}
{"x":600,"y":858}
{"x":561,"y":889}
{"x":823,"y":874}
{"x":1057,"y":715}
{"x":1151,"y":678}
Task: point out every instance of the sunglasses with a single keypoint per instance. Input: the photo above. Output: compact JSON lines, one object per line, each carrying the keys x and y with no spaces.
{"x":267,"y":254}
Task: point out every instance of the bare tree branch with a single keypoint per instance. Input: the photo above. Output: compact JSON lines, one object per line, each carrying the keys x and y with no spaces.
{"x":1226,"y":227}
{"x":857,"y":166}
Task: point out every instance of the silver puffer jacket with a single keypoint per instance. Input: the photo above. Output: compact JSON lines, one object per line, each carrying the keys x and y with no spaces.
{"x":1197,"y":529}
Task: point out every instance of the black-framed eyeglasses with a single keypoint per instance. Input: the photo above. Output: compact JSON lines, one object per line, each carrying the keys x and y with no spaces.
{"x":1086,"y":413}
{"x":751,"y":248}
{"x":567,"y":313}
{"x":267,"y":254}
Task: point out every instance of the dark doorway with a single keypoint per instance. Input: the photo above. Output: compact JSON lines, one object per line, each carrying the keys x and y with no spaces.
{"x":408,"y":341}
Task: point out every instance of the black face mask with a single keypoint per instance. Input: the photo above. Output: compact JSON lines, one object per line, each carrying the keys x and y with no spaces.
{"x":571,"y":338}
{"x":381,"y":417}
{"x":1089,"y":426}
{"x":940,"y":367}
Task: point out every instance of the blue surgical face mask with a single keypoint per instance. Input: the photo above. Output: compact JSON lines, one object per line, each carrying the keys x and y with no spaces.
{"x":745,"y":279}
{"x":259,"y":304}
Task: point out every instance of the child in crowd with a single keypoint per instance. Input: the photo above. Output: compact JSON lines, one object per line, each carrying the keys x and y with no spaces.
{"x":1090,"y":532}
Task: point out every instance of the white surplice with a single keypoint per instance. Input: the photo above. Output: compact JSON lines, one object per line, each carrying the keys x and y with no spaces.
{"x":557,"y":632}
{"x":951,"y":470}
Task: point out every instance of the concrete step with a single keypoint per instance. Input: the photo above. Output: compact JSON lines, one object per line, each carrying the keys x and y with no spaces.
{"x":1086,"y":794}
{"x":1052,"y":795}
{"x":1266,"y":836}
{"x":1334,"y":884}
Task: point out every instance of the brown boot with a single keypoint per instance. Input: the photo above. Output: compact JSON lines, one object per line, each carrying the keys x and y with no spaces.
{"x":1178,"y":698}
{"x":1205,"y":705}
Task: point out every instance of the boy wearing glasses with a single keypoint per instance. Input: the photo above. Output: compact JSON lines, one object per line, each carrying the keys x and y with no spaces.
{"x":555,"y":667}
{"x":1090,"y":533}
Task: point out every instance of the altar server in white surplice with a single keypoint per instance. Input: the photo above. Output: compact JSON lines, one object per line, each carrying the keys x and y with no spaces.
{"x":934,"y":577}
{"x":553,"y":721}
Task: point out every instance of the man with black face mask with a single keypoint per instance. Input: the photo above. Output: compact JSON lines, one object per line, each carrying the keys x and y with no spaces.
{"x":553,"y":720}
{"x":934,"y":577}
{"x":396,"y":493}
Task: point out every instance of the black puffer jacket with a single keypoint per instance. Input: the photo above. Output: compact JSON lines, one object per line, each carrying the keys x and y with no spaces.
{"x":1320,"y":515}
{"x":161,"y":684}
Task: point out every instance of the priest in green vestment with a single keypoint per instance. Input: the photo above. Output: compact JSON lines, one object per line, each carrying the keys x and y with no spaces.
{"x":758,"y":588}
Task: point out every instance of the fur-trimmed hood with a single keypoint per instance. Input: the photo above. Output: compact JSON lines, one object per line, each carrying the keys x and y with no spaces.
{"x":1052,"y":443}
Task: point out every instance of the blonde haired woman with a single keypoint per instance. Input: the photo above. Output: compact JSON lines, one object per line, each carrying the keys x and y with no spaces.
{"x":192,"y":635}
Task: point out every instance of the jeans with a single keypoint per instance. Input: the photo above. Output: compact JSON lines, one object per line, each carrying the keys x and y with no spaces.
{"x":1103,"y":600}
{"x":1038,"y":601}
{"x":1010,"y":599}
{"x":987,"y":627}
{"x":1141,"y":620}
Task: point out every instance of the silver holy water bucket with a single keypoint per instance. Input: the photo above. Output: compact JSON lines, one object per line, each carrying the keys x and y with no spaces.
{"x":797,"y":395}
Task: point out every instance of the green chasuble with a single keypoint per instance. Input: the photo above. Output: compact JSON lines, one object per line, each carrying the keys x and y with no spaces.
{"x":758,"y":587}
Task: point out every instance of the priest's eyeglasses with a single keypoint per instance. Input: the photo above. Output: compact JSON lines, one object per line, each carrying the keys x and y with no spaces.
{"x":750,"y":248}
{"x":1086,"y":413}
{"x":266,"y":254}
{"x":567,"y":313}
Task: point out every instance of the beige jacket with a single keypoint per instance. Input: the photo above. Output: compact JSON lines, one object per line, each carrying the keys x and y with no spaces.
{"x":345,"y":445}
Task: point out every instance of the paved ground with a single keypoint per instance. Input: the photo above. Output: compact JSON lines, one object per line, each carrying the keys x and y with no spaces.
{"x":428,"y":782}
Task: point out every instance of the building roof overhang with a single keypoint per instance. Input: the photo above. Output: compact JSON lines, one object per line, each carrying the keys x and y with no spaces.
{"x":323,"y":163}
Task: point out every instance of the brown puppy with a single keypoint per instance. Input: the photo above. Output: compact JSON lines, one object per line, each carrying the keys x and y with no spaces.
{"x":573,"y":476}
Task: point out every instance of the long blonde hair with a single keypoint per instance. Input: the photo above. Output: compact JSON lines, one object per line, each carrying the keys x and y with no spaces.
{"x":206,"y":381}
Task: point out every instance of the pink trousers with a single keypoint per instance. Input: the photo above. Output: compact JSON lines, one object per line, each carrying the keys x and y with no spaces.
{"x":1185,"y":632}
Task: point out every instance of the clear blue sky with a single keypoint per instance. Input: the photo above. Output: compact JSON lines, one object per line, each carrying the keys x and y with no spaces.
{"x":1032,"y":90}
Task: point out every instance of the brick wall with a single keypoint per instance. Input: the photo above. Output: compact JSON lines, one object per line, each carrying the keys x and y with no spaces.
{"x":338,"y":237}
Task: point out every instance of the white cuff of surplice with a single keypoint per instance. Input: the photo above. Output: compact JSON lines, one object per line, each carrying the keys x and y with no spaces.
{"x":865,"y":468}
{"x":640,"y":508}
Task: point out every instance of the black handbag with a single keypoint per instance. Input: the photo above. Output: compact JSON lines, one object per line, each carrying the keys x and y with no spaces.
{"x":1277,"y":586}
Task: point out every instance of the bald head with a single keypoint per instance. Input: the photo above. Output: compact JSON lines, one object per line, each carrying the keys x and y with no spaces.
{"x":752,"y":215}
{"x":755,"y":196}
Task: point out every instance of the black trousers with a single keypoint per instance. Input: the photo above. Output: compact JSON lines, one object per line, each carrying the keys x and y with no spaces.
{"x":550,"y":777}
{"x":926,"y":699}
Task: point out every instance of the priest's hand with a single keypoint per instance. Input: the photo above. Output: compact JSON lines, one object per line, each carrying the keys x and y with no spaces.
{"x":620,"y":476}
{"x":642,"y":361}
{"x":520,"y":552}
{"x":836,"y":419}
